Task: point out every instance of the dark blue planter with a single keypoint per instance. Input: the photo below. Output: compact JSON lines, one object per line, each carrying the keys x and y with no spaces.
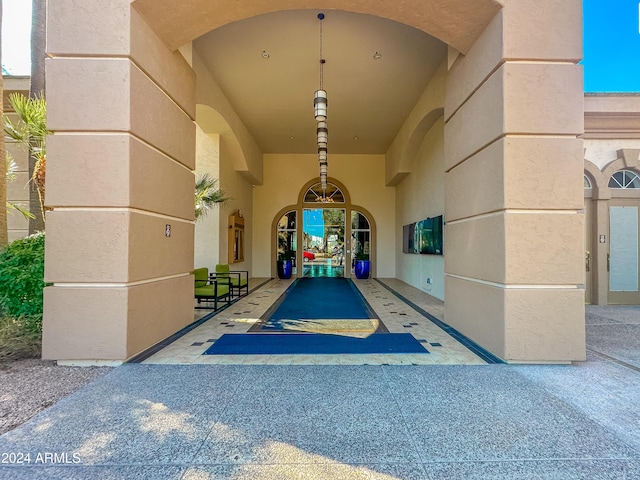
{"x":284,"y":268}
{"x":362,"y":268}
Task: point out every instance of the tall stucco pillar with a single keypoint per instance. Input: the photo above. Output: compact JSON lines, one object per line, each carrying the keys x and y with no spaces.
{"x":119,"y":245}
{"x":514,"y":188}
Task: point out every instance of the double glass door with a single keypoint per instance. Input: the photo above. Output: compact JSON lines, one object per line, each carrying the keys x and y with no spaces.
{"x":323,"y":236}
{"x":328,"y":243}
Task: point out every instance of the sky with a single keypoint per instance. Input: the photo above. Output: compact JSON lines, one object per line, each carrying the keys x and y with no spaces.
{"x":16,"y":28}
{"x":611,"y":57}
{"x":611,"y":43}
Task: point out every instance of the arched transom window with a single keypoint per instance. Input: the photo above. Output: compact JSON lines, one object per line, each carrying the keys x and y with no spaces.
{"x":624,"y":179}
{"x":587,"y":182}
{"x":314,"y":194}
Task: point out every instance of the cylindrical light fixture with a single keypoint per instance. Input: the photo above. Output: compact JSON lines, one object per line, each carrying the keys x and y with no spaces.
{"x":323,"y":134}
{"x":322,"y":155}
{"x":320,"y":105}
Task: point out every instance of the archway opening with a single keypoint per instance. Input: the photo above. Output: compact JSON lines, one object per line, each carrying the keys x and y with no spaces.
{"x":324,"y":236}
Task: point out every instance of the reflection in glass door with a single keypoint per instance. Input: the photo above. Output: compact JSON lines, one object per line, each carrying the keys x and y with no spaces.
{"x":360,"y":238}
{"x":288,"y":239}
{"x":323,"y":242}
{"x":624,"y":261}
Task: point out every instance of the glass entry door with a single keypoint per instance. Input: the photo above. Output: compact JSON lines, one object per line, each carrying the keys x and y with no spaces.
{"x":323,"y":242}
{"x":624,"y":262}
{"x":288,"y":238}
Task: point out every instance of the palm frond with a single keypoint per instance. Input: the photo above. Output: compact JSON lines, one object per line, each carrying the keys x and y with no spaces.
{"x":207,"y":195}
{"x":31,"y":129}
{"x":13,"y":206}
{"x":12,"y":168}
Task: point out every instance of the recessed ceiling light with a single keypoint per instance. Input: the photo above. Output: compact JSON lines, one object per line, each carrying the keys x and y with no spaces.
{"x":377,"y":56}
{"x":265,"y":54}
{"x":291,"y":137}
{"x":356,"y":137}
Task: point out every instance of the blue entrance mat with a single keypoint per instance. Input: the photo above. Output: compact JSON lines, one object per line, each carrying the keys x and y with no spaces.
{"x":313,"y":344}
{"x":322,"y":298}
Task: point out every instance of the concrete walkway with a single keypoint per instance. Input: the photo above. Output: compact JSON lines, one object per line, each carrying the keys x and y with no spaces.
{"x":350,"y":422}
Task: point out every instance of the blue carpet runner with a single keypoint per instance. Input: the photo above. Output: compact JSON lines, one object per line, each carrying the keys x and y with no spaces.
{"x":314,"y":300}
{"x":322,"y":298}
{"x":313,"y":344}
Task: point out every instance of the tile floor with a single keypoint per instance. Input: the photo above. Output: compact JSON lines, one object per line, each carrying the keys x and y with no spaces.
{"x":397,"y":315}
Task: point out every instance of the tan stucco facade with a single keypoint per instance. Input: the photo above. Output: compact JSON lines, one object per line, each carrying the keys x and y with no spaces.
{"x":612,"y":144}
{"x":498,"y":128}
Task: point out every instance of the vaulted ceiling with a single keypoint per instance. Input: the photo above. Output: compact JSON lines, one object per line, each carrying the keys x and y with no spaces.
{"x":268,"y":67}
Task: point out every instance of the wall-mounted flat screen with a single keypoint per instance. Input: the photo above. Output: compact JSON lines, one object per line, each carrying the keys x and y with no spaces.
{"x":407,"y":238}
{"x":424,"y":237}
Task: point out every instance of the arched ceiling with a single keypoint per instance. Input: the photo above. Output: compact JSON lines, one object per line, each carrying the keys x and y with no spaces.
{"x":455,"y":22}
{"x":369,"y":99}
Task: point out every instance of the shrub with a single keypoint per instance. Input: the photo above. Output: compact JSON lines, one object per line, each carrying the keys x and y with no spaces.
{"x":22,"y":281}
{"x":17,"y":340}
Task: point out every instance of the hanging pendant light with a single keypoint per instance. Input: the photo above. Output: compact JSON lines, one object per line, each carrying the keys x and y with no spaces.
{"x":322,"y":155}
{"x":323,"y":134}
{"x":320,"y":103}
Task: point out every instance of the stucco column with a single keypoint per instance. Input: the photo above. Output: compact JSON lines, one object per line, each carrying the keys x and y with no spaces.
{"x":514,"y":191}
{"x":119,"y":245}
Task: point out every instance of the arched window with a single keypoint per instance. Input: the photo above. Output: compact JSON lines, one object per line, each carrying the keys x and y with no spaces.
{"x":287,"y":237}
{"x":587,"y":182}
{"x":333,"y":194}
{"x":624,"y":179}
{"x":360,"y":237}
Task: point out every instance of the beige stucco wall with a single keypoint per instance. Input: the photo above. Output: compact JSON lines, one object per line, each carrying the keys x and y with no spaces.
{"x":612,"y":123}
{"x":400,"y":156}
{"x":415,"y":163}
{"x":118,"y":171}
{"x":508,"y":101}
{"x":418,"y":196}
{"x":240,"y":164}
{"x":207,"y":229}
{"x":514,"y":109}
{"x":240,"y":193}
{"x":612,"y":143}
{"x":601,"y":152}
{"x":284,"y":176}
{"x":456,"y":22}
{"x":219,"y":116}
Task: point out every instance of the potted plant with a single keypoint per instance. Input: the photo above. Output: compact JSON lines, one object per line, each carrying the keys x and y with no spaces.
{"x":285,"y":263}
{"x":362,"y":266}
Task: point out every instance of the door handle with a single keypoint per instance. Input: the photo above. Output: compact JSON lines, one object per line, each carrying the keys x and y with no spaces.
{"x":588,"y":261}
{"x":608,"y":262}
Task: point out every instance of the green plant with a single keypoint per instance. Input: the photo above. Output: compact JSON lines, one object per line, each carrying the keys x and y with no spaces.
{"x":207,"y":195}
{"x":362,"y":256}
{"x":18,"y":340}
{"x":22,"y":280}
{"x":286,"y":255}
{"x":12,"y":168}
{"x":31,"y":130}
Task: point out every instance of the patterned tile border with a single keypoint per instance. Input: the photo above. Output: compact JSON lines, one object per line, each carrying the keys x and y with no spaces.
{"x":398,"y":313}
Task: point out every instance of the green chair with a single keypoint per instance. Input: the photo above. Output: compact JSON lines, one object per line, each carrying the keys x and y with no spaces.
{"x":210,"y":289}
{"x":239,"y":278}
